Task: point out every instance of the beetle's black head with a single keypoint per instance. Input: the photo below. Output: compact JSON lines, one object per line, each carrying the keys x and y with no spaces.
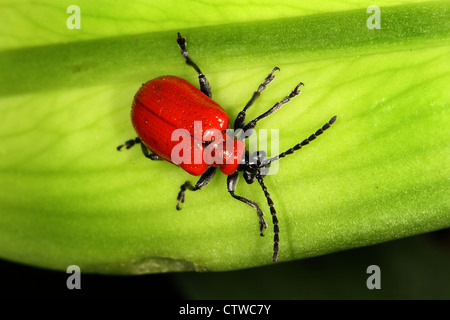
{"x":254,"y":164}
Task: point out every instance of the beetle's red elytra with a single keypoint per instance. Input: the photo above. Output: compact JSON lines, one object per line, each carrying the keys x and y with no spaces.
{"x":169,"y":104}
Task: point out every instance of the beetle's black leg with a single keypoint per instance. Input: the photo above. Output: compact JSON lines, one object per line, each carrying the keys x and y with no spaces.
{"x":144,"y":149}
{"x":203,"y":181}
{"x":205,"y":87}
{"x":148,"y":155}
{"x":301,"y":144}
{"x":128,"y":144}
{"x":231,"y":185}
{"x":273,"y":212}
{"x":251,"y":125}
{"x":240,"y":119}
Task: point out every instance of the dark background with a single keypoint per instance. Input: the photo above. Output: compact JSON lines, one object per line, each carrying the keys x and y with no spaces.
{"x":411,"y":268}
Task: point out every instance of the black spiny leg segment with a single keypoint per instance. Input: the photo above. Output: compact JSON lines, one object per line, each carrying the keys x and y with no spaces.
{"x":203,"y":181}
{"x":132,"y":142}
{"x":231,"y":185}
{"x":128,"y":144}
{"x":205,"y":87}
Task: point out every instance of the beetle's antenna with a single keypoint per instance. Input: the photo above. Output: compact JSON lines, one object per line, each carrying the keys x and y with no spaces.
{"x":273,"y":212}
{"x":301,"y":144}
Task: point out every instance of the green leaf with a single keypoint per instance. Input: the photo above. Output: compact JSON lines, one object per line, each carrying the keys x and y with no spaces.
{"x":380,"y":173}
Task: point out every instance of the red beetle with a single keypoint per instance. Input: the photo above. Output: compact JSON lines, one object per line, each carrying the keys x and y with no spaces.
{"x":168,"y":108}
